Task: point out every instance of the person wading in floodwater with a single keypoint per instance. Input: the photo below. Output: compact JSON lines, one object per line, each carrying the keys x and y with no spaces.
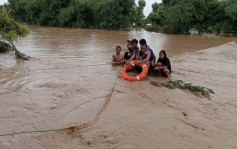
{"x":163,"y":66}
{"x":117,"y":58}
{"x":135,"y":50}
{"x":146,"y":56}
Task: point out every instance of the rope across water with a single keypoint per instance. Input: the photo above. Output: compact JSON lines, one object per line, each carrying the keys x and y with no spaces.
{"x":53,"y":130}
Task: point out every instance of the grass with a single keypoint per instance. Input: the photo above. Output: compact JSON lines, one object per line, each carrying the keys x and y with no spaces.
{"x":197,"y":90}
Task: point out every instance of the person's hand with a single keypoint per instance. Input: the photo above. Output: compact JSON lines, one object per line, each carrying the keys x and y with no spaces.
{"x":127,"y":62}
{"x":156,"y":68}
{"x":123,"y":61}
{"x":139,"y":64}
{"x":152,"y":63}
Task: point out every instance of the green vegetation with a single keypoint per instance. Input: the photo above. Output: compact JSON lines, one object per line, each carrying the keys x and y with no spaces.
{"x":180,"y":16}
{"x":197,"y":90}
{"x":10,"y":31}
{"x":4,"y":47}
{"x":170,"y":16}
{"x":104,"y":14}
{"x":139,"y":15}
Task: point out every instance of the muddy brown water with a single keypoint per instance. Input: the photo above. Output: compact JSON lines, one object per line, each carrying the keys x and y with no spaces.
{"x":69,"y":75}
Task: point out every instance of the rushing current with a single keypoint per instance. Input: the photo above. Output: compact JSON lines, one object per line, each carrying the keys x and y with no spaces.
{"x":69,"y":75}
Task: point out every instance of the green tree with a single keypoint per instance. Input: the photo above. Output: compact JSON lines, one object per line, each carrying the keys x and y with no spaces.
{"x":10,"y":31}
{"x":77,"y":14}
{"x":156,"y":17}
{"x":107,"y":14}
{"x":139,"y":15}
{"x":44,"y":12}
{"x":226,"y":18}
{"x":179,"y":16}
{"x":18,"y":9}
{"x":117,"y":14}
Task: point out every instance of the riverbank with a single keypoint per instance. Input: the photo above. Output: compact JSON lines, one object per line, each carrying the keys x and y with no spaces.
{"x":135,"y":115}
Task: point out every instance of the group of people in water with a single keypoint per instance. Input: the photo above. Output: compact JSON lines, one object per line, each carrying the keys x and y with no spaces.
{"x":145,"y":55}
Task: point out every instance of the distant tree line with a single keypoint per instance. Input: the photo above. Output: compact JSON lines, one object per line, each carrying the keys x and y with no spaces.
{"x":105,"y":14}
{"x":180,"y":16}
{"x":170,"y":16}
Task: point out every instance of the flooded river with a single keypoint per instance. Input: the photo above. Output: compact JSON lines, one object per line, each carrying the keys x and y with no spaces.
{"x":69,"y":78}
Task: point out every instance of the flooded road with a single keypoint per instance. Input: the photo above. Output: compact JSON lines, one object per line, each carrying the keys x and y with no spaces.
{"x":68,"y":82}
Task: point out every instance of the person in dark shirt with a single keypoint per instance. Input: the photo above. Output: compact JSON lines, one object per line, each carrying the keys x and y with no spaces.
{"x":163,"y":66}
{"x":135,"y":51}
{"x":128,"y":54}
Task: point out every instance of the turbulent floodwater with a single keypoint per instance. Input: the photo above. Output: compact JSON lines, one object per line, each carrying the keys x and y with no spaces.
{"x":69,"y":78}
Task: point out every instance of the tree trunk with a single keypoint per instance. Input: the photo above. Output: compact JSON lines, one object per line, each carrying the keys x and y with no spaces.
{"x":5,"y":47}
{"x":18,"y":53}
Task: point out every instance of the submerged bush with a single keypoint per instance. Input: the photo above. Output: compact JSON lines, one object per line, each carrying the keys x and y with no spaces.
{"x":197,"y":90}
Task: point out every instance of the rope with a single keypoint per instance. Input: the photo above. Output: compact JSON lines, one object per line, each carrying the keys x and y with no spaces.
{"x":53,"y":130}
{"x":117,"y":76}
{"x":23,"y":132}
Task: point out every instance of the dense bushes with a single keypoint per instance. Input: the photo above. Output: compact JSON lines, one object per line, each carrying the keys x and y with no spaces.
{"x":179,"y":16}
{"x":171,"y":16}
{"x":107,"y":14}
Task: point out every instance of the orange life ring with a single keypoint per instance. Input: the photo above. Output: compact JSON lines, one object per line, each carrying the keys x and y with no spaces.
{"x":132,"y":64}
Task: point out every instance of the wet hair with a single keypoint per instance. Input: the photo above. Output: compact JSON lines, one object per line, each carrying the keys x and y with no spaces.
{"x":118,"y":47}
{"x":163,"y":51}
{"x":134,"y":41}
{"x":142,"y":41}
{"x":143,"y":44}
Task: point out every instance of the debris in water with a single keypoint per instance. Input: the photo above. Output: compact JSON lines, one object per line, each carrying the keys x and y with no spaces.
{"x":197,"y":90}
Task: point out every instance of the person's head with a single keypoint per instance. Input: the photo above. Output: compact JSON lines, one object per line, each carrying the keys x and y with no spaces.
{"x":130,"y":53}
{"x":129,"y":48}
{"x":129,"y":41}
{"x":143,"y":48}
{"x":162,"y":54}
{"x":134,"y":43}
{"x":118,"y":49}
{"x":142,"y":41}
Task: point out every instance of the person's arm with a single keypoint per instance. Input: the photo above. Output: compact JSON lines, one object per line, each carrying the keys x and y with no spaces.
{"x":122,"y":60}
{"x":137,"y":56}
{"x":113,"y":61}
{"x":153,"y":62}
{"x":147,"y":58}
{"x":165,"y":65}
{"x":131,"y":58}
